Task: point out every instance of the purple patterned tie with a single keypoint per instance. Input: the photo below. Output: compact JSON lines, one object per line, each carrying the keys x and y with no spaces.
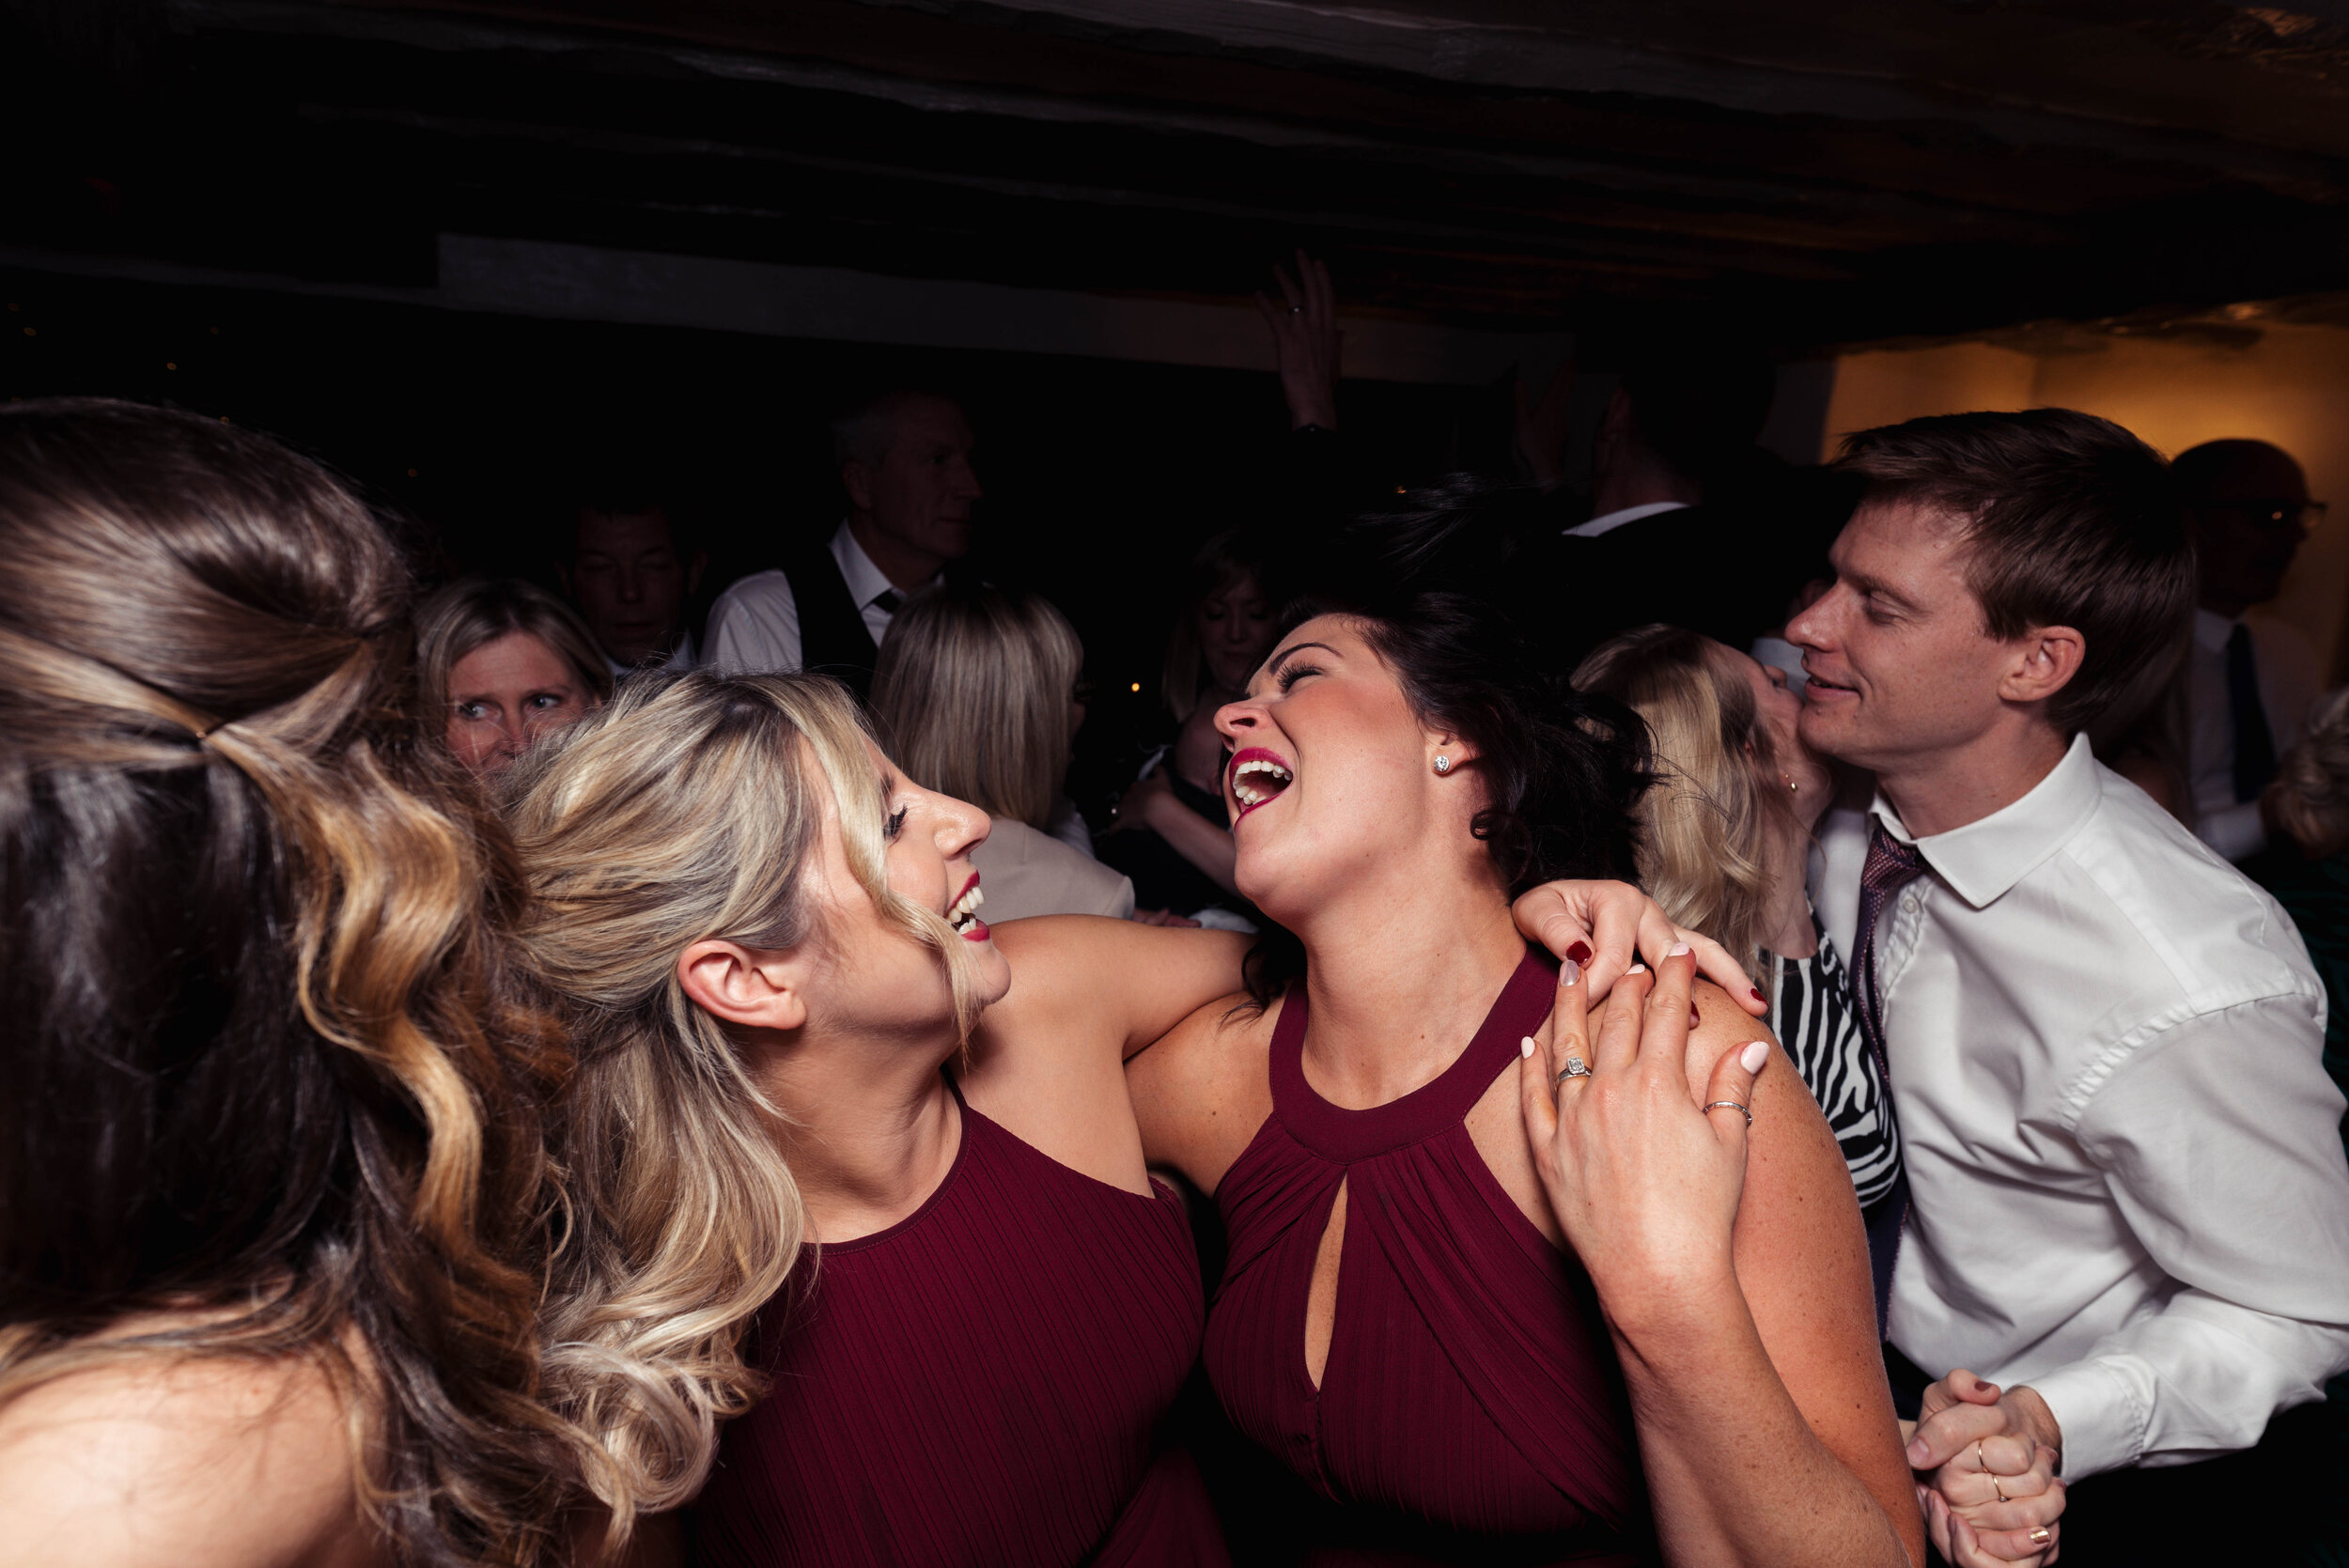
{"x":1892,"y":864}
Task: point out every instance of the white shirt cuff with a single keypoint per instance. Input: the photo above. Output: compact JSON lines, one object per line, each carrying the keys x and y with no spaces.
{"x":2101,"y":1414}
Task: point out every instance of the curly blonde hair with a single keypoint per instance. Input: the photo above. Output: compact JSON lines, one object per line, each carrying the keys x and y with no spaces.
{"x":690,"y":809}
{"x":2310,"y":797}
{"x":1706,"y":825}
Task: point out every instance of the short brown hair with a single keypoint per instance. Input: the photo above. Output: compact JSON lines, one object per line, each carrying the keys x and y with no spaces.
{"x":2070,"y":520}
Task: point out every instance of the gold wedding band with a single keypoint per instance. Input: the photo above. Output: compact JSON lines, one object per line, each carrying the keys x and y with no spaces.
{"x":1983,"y":1464}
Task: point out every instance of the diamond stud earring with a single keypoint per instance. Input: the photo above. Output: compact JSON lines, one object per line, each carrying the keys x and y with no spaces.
{"x":1443,"y":765}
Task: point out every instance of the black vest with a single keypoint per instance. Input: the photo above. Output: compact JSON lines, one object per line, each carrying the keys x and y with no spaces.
{"x":832,"y":639}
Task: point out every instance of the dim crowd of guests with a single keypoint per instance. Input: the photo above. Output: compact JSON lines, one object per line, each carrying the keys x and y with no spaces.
{"x":1673,"y":1045}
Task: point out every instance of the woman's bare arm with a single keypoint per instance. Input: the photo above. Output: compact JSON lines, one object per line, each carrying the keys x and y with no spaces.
{"x":1733,"y":1270}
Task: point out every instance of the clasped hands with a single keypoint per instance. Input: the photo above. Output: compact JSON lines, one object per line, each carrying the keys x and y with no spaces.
{"x":1985,"y":1461}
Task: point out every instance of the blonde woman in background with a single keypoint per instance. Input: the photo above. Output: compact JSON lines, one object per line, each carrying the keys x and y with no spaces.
{"x":499,"y":663}
{"x":273,"y":1193}
{"x":792,"y":1027}
{"x":1725,"y":838}
{"x":975,"y":691}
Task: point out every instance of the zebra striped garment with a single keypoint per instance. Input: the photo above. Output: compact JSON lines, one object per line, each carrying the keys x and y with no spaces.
{"x":1818,"y":1021}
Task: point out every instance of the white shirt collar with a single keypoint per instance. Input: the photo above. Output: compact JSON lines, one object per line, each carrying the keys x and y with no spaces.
{"x":2212,"y":630}
{"x":1607,"y":521}
{"x":682,"y":656}
{"x":1986,"y":857}
{"x":866,"y":582}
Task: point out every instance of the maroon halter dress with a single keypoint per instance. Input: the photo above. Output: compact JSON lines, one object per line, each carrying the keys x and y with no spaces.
{"x":1472,"y":1409}
{"x":979,"y":1384}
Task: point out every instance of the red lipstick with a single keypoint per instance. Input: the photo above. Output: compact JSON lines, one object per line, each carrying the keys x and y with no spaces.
{"x":1245,"y":755}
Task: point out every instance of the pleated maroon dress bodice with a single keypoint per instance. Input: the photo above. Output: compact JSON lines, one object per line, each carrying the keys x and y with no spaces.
{"x":1472,"y":1409}
{"x":979,"y":1384}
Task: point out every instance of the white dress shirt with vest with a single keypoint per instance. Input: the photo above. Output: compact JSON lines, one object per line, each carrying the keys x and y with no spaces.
{"x":755,"y":625}
{"x":2124,"y":1154}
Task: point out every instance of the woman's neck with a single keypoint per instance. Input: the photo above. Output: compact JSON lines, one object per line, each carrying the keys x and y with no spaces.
{"x":1399,"y":985}
{"x":869,"y":1126}
{"x":1785,"y":927}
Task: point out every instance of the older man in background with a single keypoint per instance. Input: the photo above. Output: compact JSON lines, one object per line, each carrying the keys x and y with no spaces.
{"x":2248,"y":683}
{"x":905,"y":462}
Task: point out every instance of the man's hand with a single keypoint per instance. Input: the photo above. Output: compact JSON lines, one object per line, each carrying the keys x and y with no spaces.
{"x":1986,"y":1462}
{"x":1306,"y":342}
{"x":1604,"y":926}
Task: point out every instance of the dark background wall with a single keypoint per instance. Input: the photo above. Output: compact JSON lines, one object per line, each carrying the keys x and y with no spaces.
{"x":472,"y":429}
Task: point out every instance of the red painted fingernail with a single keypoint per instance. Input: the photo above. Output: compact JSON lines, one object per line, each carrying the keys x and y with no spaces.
{"x":1757,"y":993}
{"x":1580,"y":952}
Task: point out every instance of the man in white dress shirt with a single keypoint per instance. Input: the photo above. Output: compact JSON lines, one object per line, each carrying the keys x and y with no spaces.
{"x":2130,"y":1207}
{"x":905,"y":461}
{"x":2250,"y":683}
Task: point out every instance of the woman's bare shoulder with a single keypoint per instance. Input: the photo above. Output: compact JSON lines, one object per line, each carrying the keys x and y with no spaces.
{"x":1721,"y":1024}
{"x":1202,"y":1091}
{"x":193,"y":1460}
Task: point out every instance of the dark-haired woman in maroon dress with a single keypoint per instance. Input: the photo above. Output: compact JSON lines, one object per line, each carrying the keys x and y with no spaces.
{"x":1492,"y":1314}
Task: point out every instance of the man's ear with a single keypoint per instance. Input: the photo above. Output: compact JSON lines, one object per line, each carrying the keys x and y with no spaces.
{"x":563,"y":576}
{"x":858,"y":481}
{"x":694,"y":570}
{"x":2046,"y":660}
{"x":758,"y":990}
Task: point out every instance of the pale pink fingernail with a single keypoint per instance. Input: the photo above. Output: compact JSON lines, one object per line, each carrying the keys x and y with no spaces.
{"x":1637,"y":969}
{"x":1677,"y":949}
{"x":1526,"y":1048}
{"x":1569,"y":972}
{"x":1751,"y":1058}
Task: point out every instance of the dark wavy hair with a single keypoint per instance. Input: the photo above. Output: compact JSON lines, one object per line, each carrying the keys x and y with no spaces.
{"x":1563,"y":769}
{"x":271,"y":1070}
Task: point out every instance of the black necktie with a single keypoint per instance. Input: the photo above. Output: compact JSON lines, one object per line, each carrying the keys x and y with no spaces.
{"x":888,"y":599}
{"x":2254,"y":746}
{"x":1892,"y":864}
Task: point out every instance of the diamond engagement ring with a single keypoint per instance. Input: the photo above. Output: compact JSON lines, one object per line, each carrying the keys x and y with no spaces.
{"x":1574,"y":1068}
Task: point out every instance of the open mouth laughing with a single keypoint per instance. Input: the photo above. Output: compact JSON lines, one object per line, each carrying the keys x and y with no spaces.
{"x":963,"y":913}
{"x":1257,"y":777}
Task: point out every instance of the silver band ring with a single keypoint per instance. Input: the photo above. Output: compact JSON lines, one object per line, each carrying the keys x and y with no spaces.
{"x":1574,"y":1068}
{"x":1734,"y":1106}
